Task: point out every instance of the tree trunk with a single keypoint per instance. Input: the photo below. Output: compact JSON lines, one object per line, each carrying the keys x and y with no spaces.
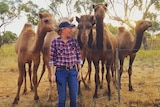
{"x":145,"y":44}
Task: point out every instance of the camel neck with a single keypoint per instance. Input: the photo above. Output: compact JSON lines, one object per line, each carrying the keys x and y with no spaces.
{"x":99,"y":33}
{"x":137,"y":41}
{"x":39,"y":41}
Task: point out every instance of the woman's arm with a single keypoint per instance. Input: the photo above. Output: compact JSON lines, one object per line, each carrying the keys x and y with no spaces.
{"x":52,"y":61}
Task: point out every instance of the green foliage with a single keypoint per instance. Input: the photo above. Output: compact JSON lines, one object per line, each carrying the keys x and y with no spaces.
{"x":85,"y":5}
{"x":112,"y":28}
{"x":3,"y":8}
{"x":8,"y":37}
{"x":9,"y":10}
{"x":32,"y":11}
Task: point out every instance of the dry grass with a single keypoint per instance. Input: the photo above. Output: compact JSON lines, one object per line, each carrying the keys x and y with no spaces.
{"x":146,"y":82}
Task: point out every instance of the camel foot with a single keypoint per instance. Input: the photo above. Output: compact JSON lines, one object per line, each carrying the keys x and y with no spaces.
{"x":89,"y":81}
{"x":131,"y":89}
{"x":32,"y":88}
{"x":95,"y":96}
{"x":79,"y":94}
{"x":16,"y":100}
{"x":50,"y":99}
{"x":101,"y":87}
{"x":24,"y":92}
{"x":36,"y":99}
{"x":87,"y":87}
{"x":109,"y":97}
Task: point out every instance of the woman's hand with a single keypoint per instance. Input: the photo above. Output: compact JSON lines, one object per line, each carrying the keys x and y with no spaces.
{"x":79,"y":76}
{"x":53,"y":78}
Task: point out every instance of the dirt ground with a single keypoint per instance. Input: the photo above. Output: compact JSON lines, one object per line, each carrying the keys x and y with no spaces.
{"x":145,"y":79}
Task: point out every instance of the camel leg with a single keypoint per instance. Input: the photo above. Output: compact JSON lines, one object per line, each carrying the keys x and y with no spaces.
{"x":25,"y":83}
{"x":113,"y":69}
{"x":132,"y":57}
{"x":50,"y":98}
{"x":30,"y":74}
{"x":85,"y":85}
{"x":83,"y":80}
{"x":89,"y":70}
{"x":82,"y":67}
{"x":102,"y":71}
{"x":108,"y":68}
{"x":20,"y":81}
{"x":121,"y":69}
{"x":42,"y":73}
{"x":79,"y":89}
{"x":97,"y":81}
{"x":35,"y":68}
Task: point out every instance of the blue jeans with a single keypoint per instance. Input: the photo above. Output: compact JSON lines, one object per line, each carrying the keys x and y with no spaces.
{"x":63,"y":77}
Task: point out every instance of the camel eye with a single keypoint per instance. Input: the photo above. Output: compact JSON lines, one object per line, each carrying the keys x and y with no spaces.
{"x":46,"y":21}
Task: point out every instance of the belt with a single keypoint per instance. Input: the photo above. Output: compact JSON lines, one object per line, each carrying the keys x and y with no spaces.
{"x":67,"y":67}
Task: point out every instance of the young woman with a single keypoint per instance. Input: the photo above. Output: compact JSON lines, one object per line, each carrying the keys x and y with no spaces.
{"x":65,"y":63}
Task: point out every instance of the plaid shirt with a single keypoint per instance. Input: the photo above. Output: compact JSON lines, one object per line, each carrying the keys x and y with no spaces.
{"x":64,"y":54}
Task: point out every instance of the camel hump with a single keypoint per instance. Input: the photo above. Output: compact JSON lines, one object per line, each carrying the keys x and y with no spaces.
{"x":26,"y":33}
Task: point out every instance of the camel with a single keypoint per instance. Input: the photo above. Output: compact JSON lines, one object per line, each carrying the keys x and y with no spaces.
{"x":27,"y":27}
{"x":105,"y":46}
{"x":28,"y":47}
{"x":84,"y":38}
{"x":130,"y":45}
{"x":86,"y":35}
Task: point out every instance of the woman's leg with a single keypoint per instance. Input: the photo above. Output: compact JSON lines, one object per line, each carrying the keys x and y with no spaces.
{"x":73,"y":87}
{"x":61,"y":79}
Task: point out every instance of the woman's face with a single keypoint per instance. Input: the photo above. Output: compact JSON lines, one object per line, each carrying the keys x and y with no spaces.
{"x":67,"y":31}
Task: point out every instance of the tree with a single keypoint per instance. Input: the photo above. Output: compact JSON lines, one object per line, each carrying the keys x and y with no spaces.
{"x":112,"y":28}
{"x":132,"y":6}
{"x":9,"y":10}
{"x":8,"y":37}
{"x":31,"y":10}
{"x":85,"y":6}
{"x":56,"y":6}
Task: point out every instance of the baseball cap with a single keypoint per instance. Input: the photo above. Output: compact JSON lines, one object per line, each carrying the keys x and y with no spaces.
{"x":65,"y":24}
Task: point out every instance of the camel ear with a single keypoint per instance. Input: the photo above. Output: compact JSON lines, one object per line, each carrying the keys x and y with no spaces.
{"x":71,"y":19}
{"x":40,"y":15}
{"x":77,"y":19}
{"x":93,"y":20}
{"x":106,"y":4}
{"x":93,"y":6}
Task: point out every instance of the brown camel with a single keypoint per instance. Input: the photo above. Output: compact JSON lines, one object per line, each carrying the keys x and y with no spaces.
{"x":130,"y":45}
{"x":105,"y":46}
{"x":28,"y":48}
{"x":87,"y":40}
{"x":27,"y":27}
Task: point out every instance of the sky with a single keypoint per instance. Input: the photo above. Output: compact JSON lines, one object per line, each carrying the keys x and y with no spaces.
{"x":17,"y":25}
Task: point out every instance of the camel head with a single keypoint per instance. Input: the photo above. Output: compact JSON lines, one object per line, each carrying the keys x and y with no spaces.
{"x":85,"y":25}
{"x":100,"y":10}
{"x":121,"y":29}
{"x":142,"y":25}
{"x":46,"y":22}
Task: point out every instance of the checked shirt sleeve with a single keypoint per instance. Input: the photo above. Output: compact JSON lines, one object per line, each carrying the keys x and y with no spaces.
{"x":53,"y":54}
{"x":79,"y":57}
